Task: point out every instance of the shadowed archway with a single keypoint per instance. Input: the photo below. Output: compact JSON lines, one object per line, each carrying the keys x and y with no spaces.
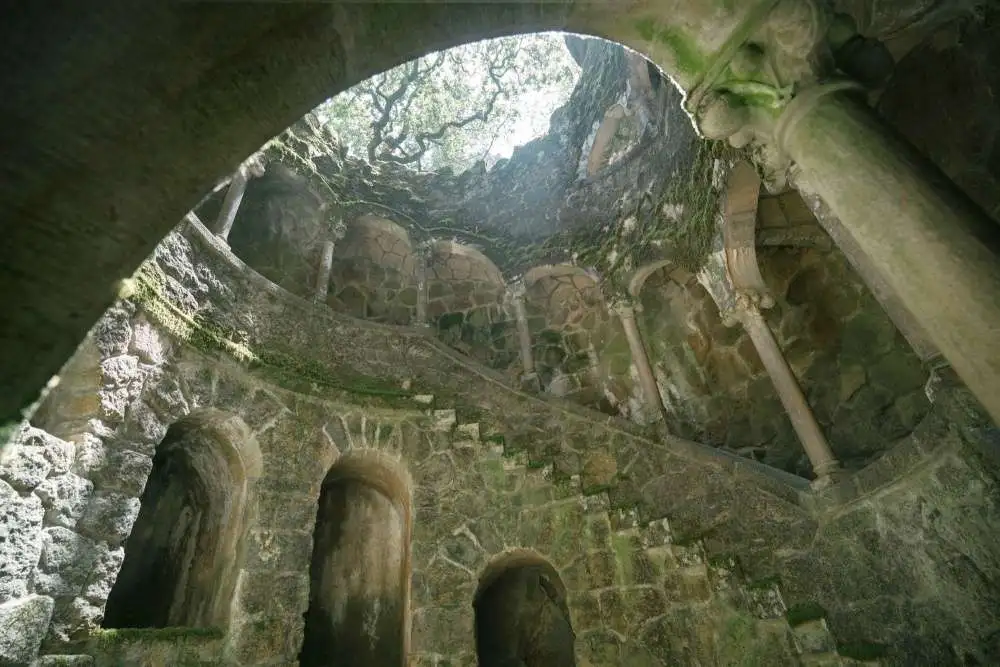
{"x":521,"y":615}
{"x":359,"y":578}
{"x":183,"y":557}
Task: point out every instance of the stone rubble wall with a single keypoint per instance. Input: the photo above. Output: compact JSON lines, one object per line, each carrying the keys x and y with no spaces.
{"x":642,"y":531}
{"x":860,"y":376}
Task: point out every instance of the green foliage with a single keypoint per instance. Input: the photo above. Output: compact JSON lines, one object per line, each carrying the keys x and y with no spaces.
{"x":115,"y":636}
{"x":804,"y":612}
{"x":452,"y":108}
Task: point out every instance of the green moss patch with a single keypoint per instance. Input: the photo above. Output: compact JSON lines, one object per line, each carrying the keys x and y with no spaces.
{"x":117,"y":636}
{"x":862,"y":650}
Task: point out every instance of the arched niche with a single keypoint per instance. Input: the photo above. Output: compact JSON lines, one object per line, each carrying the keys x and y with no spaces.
{"x":280,"y":228}
{"x":360,"y":569}
{"x":373,"y":275}
{"x":707,"y":372}
{"x":579,"y":349}
{"x":521,"y":615}
{"x":183,"y":555}
{"x":465,"y":303}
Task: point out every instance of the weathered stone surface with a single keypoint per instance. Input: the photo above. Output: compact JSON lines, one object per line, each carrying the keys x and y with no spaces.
{"x":109,"y":516}
{"x":66,"y":563}
{"x":65,"y":497}
{"x":23,"y":623}
{"x":25,"y":466}
{"x":20,"y":541}
{"x":74,"y":619}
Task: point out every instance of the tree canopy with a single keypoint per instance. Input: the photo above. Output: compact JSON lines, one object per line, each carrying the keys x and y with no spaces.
{"x":453,"y":108}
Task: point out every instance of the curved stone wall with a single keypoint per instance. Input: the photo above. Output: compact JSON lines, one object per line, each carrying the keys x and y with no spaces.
{"x":373,"y":274}
{"x":670,"y":552}
{"x":860,"y":376}
{"x":466,"y":304}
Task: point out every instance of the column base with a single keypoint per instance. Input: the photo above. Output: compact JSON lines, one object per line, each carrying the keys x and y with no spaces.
{"x":828,"y":474}
{"x":531,"y":383}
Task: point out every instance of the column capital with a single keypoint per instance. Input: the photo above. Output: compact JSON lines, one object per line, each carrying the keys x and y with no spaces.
{"x":625,"y":307}
{"x":780,"y":52}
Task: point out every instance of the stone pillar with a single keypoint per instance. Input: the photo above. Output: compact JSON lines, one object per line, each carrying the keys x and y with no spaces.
{"x":234,"y":195}
{"x":529,"y":377}
{"x":323,"y":276}
{"x":651,"y":391}
{"x":824,"y":464}
{"x":231,"y":203}
{"x":423,"y":257}
{"x":935,"y":249}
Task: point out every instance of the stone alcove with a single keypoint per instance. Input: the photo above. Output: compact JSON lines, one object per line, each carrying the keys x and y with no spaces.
{"x":374,"y":272}
{"x":465,"y":295}
{"x":521,"y":614}
{"x":579,"y":349}
{"x":359,"y":574}
{"x":182,"y":559}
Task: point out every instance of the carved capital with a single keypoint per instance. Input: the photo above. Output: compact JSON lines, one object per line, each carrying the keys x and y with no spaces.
{"x":783,"y":50}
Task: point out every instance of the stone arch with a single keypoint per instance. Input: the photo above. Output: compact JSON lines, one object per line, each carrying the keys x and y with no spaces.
{"x":183,"y":556}
{"x":374,"y":272}
{"x":360,"y":569}
{"x":579,"y":349}
{"x":521,"y":614}
{"x":465,"y":303}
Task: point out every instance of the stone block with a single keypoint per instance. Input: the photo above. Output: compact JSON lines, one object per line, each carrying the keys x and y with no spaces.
{"x":90,"y":455}
{"x":443,"y":420}
{"x":103,"y":574}
{"x":74,"y":619}
{"x":109,"y":516}
{"x":66,"y":562}
{"x":65,"y":498}
{"x":20,"y":540}
{"x":24,"y":466}
{"x":687,"y":585}
{"x":23,"y":624}
{"x":814,"y":637}
{"x":125,"y":471}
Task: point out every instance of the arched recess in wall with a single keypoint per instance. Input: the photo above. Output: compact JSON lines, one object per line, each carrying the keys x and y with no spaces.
{"x":373,"y":275}
{"x":183,"y":556}
{"x":465,"y":303}
{"x":360,"y":570}
{"x":579,"y":349}
{"x":707,"y":372}
{"x":521,"y":614}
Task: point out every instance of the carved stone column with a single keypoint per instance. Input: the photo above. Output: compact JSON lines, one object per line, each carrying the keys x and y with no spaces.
{"x":647,"y":380}
{"x":821,"y":457}
{"x":323,"y":275}
{"x":529,"y":377}
{"x":936,"y":250}
{"x":234,"y":196}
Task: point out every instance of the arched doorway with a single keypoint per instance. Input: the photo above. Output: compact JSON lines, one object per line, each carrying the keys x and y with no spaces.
{"x":521,"y":614}
{"x":359,"y":577}
{"x":183,"y":556}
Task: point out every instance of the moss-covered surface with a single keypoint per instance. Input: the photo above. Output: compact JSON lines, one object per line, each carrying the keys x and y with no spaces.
{"x":804,"y":612}
{"x":862,"y":650}
{"x":284,"y":368}
{"x":687,"y":57}
{"x":115,"y":636}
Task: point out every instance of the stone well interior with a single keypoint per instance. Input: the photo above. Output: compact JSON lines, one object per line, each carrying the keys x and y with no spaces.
{"x":706,"y":374}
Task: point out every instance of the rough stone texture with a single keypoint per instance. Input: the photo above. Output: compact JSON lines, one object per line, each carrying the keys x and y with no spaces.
{"x":860,"y":377}
{"x":688,"y":556}
{"x":21,"y":543}
{"x":942,"y":97}
{"x":23,"y":623}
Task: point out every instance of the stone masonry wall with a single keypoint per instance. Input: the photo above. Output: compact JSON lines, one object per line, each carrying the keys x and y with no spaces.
{"x":672,"y":552}
{"x":860,"y":376}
